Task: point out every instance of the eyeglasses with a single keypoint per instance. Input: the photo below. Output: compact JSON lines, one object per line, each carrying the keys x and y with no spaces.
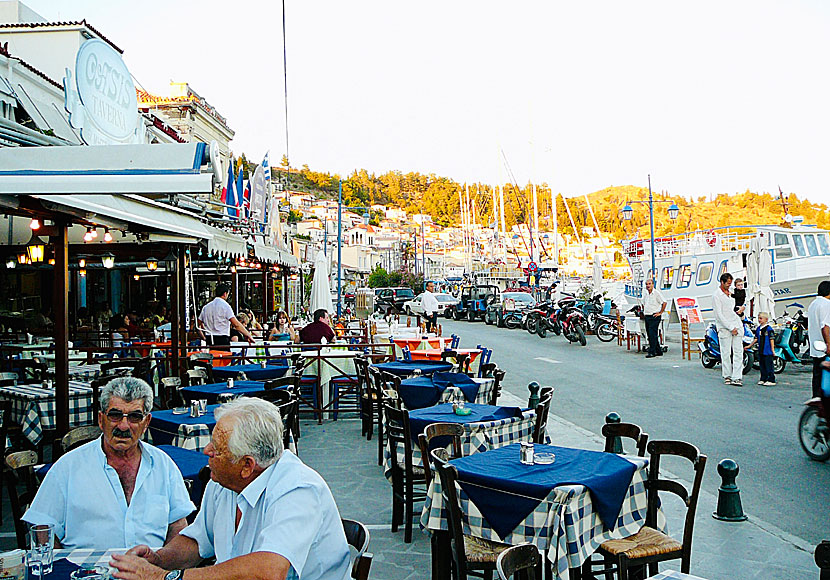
{"x":116,"y":416}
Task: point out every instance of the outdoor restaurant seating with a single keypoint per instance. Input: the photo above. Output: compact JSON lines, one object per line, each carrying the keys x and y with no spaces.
{"x":173,"y":385}
{"x":197,"y":377}
{"x":542,"y":409}
{"x":460,"y":361}
{"x":614,"y":431}
{"x":78,"y":436}
{"x":203,"y":364}
{"x":361,"y":365}
{"x":522,"y":562}
{"x":454,"y":431}
{"x":20,"y":472}
{"x":650,"y":545}
{"x":376,"y":387}
{"x":357,"y":536}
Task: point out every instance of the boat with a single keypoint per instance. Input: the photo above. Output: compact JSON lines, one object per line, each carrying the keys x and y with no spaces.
{"x":690,"y":264}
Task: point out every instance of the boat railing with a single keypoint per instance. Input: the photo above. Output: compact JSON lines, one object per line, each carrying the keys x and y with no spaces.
{"x":696,"y":243}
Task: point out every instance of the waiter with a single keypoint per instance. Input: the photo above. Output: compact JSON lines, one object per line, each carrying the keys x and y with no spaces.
{"x":217,"y":317}
{"x":430,"y":305}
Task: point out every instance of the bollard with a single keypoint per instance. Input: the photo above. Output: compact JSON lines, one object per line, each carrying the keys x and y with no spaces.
{"x":533,"y":400}
{"x":729,"y":496}
{"x":822,"y":557}
{"x":616,"y":442}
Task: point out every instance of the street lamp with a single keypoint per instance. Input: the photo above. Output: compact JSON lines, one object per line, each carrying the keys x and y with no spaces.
{"x":628,"y":213}
{"x":108,"y":261}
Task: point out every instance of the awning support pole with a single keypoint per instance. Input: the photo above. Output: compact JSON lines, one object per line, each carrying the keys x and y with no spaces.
{"x":60,"y":304}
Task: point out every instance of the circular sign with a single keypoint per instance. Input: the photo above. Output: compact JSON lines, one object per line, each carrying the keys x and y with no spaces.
{"x":106,"y":91}
{"x":532,"y":267}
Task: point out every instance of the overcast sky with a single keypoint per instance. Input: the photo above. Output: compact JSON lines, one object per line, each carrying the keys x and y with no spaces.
{"x":708,"y":97}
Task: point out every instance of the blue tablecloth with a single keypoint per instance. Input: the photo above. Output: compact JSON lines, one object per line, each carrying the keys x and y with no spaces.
{"x":403,"y":368}
{"x":189,"y":463}
{"x":420,"y":418}
{"x":426,"y":391}
{"x":253,"y":372}
{"x":211,"y":391}
{"x":164,"y":425}
{"x":505,"y":491}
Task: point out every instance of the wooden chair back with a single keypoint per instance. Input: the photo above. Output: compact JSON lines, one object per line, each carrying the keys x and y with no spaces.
{"x":290,"y":413}
{"x":80,"y":435}
{"x":118,"y":367}
{"x":542,"y":410}
{"x":448,"y":476}
{"x":375,"y":388}
{"x":498,"y":377}
{"x":289,"y":383}
{"x":486,"y":370}
{"x":196,"y":377}
{"x":455,"y":431}
{"x":521,"y":562}
{"x":8,"y":379}
{"x":20,"y":471}
{"x":357,"y":536}
{"x":625,"y":430}
{"x":205,"y":366}
{"x":173,"y":385}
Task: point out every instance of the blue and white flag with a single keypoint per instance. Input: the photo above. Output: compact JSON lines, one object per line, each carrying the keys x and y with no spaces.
{"x":266,"y":166}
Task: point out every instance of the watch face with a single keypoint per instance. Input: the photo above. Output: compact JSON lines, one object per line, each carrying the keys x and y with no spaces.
{"x":173,"y":575}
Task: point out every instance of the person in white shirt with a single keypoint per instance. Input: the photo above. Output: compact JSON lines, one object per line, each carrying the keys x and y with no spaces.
{"x":430,"y":305}
{"x":653,"y":307}
{"x":818,"y":330}
{"x":730,"y":333}
{"x":217,"y":317}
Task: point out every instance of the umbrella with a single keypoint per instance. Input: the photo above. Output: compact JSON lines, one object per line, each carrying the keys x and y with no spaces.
{"x":767,"y":298}
{"x":597,"y":274}
{"x":753,"y":287}
{"x":320,"y":289}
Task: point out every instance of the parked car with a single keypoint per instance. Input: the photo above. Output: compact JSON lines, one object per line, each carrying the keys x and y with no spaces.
{"x":394,"y":298}
{"x":444,"y":301}
{"x":473,"y":301}
{"x":506,"y":302}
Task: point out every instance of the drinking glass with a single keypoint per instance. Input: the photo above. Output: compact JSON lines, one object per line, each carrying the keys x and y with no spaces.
{"x":41,"y":544}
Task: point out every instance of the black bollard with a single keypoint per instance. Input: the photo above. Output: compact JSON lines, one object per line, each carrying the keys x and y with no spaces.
{"x":822,"y":557}
{"x":616,"y":442}
{"x":729,"y":496}
{"x":533,"y":400}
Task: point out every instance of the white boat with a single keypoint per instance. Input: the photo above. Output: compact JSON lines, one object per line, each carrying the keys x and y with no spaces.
{"x":689,"y":265}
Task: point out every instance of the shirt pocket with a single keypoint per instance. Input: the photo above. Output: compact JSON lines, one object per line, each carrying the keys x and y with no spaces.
{"x":152,"y":516}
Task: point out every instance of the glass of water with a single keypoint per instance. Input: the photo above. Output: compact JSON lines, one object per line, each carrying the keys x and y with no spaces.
{"x":41,"y":549}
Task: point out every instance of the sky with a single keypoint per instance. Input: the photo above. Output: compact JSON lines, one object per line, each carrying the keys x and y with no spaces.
{"x":707,"y":97}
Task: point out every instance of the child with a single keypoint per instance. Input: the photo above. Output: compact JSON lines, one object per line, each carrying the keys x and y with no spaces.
{"x":765,"y":337}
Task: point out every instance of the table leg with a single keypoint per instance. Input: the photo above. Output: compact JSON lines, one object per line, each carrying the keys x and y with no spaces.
{"x":441,"y":556}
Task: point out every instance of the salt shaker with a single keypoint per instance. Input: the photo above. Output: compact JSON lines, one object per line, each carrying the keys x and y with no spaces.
{"x":526,"y":453}
{"x":230,"y":383}
{"x":194,"y":409}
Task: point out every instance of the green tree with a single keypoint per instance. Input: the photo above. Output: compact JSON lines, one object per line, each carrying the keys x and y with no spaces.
{"x":379,"y":278}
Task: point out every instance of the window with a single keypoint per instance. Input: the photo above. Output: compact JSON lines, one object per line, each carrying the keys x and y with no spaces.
{"x":811,"y":244}
{"x":822,"y":243}
{"x":684,"y":277}
{"x":704,"y":273}
{"x":783,"y":252}
{"x":799,"y":245}
{"x":781,"y":239}
{"x":722,"y":269}
{"x":668,"y":277}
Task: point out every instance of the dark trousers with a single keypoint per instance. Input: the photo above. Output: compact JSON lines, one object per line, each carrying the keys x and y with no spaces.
{"x":432,"y":322}
{"x":653,"y":334}
{"x":767,"y":374}
{"x":817,"y":360}
{"x":218,"y":342}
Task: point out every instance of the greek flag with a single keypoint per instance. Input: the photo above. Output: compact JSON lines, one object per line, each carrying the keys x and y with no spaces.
{"x":266,"y":166}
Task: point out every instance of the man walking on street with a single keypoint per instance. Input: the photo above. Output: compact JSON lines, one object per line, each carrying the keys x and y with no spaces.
{"x":730,"y":333}
{"x":653,"y":308}
{"x":430,"y":305}
{"x":818,"y":330}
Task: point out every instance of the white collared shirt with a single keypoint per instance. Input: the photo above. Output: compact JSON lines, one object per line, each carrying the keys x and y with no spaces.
{"x":216,"y":316}
{"x":818,"y":315}
{"x":287,"y":510}
{"x":723,"y":306}
{"x":429,"y":302}
{"x":652,"y":302}
{"x":83,"y":498}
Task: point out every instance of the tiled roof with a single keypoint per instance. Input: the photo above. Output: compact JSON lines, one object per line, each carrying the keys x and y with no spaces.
{"x":145,"y":98}
{"x":4,"y":50}
{"x":58,"y":24}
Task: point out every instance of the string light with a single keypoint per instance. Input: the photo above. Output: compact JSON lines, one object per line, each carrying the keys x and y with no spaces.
{"x":107,"y":235}
{"x":88,"y":237}
{"x":34,"y":224}
{"x":82,"y":263}
{"x":94,"y":233}
{"x":152,"y":264}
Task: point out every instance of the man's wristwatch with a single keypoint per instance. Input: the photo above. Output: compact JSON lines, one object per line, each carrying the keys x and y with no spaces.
{"x":174,"y":575}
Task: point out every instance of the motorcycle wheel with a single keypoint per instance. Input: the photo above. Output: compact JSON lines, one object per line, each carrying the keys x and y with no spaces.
{"x":541,"y":329}
{"x":778,"y":365}
{"x":707,"y":360}
{"x":512,"y":322}
{"x":532,"y":321}
{"x":488,"y":320}
{"x":557,"y":328}
{"x":748,"y":358}
{"x":592,"y":321}
{"x":813,"y":442}
{"x":606,"y":332}
{"x":580,"y":334}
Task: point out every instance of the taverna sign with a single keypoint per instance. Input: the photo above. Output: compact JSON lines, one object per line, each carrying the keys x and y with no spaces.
{"x":100,"y":97}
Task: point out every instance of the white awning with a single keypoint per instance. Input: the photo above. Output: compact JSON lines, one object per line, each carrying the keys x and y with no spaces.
{"x":275,"y":256}
{"x":122,"y":210}
{"x":226,"y":243}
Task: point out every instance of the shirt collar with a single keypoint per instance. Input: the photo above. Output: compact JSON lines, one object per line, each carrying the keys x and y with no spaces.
{"x":253,"y":491}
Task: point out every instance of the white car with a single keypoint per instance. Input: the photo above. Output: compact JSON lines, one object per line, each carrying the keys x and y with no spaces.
{"x":444,"y":301}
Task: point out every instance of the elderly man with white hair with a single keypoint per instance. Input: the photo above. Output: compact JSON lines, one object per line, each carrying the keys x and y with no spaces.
{"x":265,"y":515}
{"x":116,"y":491}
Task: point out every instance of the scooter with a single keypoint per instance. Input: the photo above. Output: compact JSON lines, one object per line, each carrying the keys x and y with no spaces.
{"x":569,"y":320}
{"x":710,"y":347}
{"x":813,"y":432}
{"x":784,"y":352}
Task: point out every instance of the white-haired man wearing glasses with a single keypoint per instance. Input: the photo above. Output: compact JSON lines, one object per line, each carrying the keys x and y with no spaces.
{"x":115,"y":491}
{"x":264,"y":515}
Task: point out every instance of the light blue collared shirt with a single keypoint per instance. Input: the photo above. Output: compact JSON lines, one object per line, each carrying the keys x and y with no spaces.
{"x":287,"y":510}
{"x":83,"y":498}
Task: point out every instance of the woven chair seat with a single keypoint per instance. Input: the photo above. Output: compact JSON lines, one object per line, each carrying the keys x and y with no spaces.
{"x":644,"y":544}
{"x":479,"y":550}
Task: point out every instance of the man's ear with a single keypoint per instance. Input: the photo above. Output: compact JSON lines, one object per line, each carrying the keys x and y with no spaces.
{"x":249,"y":465}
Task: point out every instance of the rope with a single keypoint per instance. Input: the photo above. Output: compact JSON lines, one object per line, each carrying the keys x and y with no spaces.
{"x":285,"y":85}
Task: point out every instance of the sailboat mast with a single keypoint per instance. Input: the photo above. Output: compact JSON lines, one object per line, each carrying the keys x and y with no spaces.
{"x":555,"y":219}
{"x":534,"y":235}
{"x":596,"y":226}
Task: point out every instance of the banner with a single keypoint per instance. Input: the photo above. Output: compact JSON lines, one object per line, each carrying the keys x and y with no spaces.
{"x":257,"y":184}
{"x":689,"y":309}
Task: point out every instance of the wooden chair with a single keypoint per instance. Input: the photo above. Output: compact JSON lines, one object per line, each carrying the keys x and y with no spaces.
{"x":483,"y":358}
{"x":80,"y":435}
{"x":542,"y":410}
{"x":686,"y":341}
{"x":196,"y":377}
{"x":498,"y":377}
{"x":118,"y":368}
{"x":650,"y":546}
{"x":174,"y":386}
{"x":8,"y":379}
{"x":290,"y":413}
{"x":628,"y":430}
{"x":404,"y":476}
{"x":361,"y":365}
{"x":20,"y":471}
{"x":206,"y":366}
{"x":468,"y":553}
{"x":376,"y":387}
{"x":521,"y":562}
{"x":453,"y":430}
{"x":460,"y":362}
{"x":620,"y":330}
{"x":486,"y":370}
{"x":357,"y":536}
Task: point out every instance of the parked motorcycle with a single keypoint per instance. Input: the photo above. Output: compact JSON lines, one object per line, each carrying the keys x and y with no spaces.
{"x":606,"y":329}
{"x":784,"y":350}
{"x":813,"y":431}
{"x":542,"y":310}
{"x":514,"y":318}
{"x":568,"y":319}
{"x":595,"y":309}
{"x":710,"y":347}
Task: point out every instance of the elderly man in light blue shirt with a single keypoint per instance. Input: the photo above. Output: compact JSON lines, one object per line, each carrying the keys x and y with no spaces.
{"x":265,"y":515}
{"x":115,"y":491}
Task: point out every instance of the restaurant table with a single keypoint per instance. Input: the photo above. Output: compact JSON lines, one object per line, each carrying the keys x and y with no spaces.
{"x":145,"y":347}
{"x":211,"y":391}
{"x":435,"y":353}
{"x":441,"y":387}
{"x":182,"y":430}
{"x":550,"y":506}
{"x":404,"y":368}
{"x":33,"y":407}
{"x":249,"y":352}
{"x":67,"y":561}
{"x":426,"y":341}
{"x":253,"y":372}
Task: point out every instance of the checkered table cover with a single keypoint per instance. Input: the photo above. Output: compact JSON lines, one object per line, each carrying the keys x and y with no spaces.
{"x":86,"y":373}
{"x":89,"y":558}
{"x":478,"y":437}
{"x":197,"y":437}
{"x":565,"y":523}
{"x":673,"y":575}
{"x":33,"y":407}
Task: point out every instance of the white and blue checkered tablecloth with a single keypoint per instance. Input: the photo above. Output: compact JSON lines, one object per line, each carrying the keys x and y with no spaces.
{"x":33,"y":407}
{"x":564,"y":524}
{"x":673,"y":575}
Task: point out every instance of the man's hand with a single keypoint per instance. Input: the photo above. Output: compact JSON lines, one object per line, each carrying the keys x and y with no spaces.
{"x":734,"y":332}
{"x":134,"y":568}
{"x":143,"y":551}
{"x":251,"y":339}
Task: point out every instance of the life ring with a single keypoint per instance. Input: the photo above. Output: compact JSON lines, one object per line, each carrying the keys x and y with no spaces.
{"x":711,"y":238}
